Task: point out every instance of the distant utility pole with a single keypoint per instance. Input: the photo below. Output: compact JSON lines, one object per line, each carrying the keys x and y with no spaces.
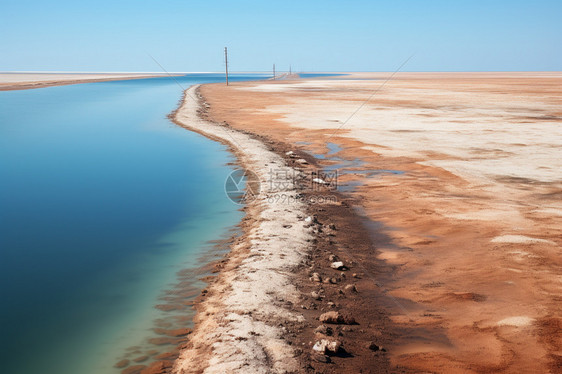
{"x":273,"y":71}
{"x":290,"y":70}
{"x":226,"y":63}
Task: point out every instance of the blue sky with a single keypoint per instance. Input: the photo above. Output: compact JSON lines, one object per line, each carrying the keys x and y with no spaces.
{"x":327,"y":35}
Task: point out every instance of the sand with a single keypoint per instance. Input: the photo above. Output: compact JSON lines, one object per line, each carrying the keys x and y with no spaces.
{"x":472,"y":228}
{"x":240,"y":323}
{"x":24,"y":81}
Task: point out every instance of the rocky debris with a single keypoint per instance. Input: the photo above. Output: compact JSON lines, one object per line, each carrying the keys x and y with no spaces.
{"x":141,"y":358}
{"x":291,"y":154}
{"x":335,"y":317}
{"x":325,"y":330}
{"x":173,"y":333}
{"x":158,"y":367}
{"x":327,"y":346}
{"x":338,"y":265}
{"x":136,"y":369}
{"x":311,"y":219}
{"x":162,"y":341}
{"x":354,"y":275}
{"x":167,"y":356}
{"x":331,"y":226}
{"x":333,"y":258}
{"x":350,"y":288}
{"x":316,"y":295}
{"x":318,"y":180}
{"x":374,"y":347}
{"x":315,"y":277}
{"x":301,"y":161}
{"x":121,"y":364}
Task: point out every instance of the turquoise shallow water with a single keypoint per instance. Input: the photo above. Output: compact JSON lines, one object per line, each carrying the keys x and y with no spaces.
{"x":102,"y":201}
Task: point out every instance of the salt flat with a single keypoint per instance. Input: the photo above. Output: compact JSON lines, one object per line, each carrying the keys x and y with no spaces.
{"x":472,"y":227}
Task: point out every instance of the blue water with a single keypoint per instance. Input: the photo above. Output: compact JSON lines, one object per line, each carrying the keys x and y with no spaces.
{"x":319,"y":75}
{"x":102,"y":201}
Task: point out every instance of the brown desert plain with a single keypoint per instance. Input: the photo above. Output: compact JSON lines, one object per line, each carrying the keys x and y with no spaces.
{"x":450,"y":216}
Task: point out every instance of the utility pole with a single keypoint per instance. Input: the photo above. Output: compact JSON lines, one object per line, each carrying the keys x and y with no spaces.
{"x":226,"y":63}
{"x":273,"y":71}
{"x":290,"y":70}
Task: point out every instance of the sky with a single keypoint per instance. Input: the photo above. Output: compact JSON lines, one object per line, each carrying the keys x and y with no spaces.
{"x":355,"y":35}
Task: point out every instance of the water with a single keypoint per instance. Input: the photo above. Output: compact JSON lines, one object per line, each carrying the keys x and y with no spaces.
{"x":320,"y":75}
{"x":102,"y":201}
{"x":344,"y":166}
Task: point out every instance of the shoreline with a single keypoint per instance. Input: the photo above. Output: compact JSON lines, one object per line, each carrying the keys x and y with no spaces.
{"x":260,"y":314}
{"x":235,"y":321}
{"x":26,"y":84}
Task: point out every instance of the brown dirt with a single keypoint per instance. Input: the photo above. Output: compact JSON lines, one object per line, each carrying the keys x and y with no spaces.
{"x":431,"y":287}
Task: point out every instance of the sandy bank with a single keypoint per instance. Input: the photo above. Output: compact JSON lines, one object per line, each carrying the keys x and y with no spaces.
{"x":264,"y":311}
{"x":471,"y":224}
{"x":25,"y":81}
{"x":238,"y":326}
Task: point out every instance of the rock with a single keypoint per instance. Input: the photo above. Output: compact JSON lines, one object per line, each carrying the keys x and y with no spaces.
{"x":121,"y":364}
{"x":136,"y":369}
{"x":333,"y":280}
{"x":338,"y":265}
{"x":332,"y":226}
{"x":374,"y":347}
{"x":331,"y":304}
{"x":302,"y":161}
{"x":311,"y":219}
{"x":323,"y":329}
{"x":337,"y":318}
{"x":158,"y":367}
{"x":350,"y":288}
{"x":333,"y":258}
{"x":327,"y":346}
{"x":316,"y":277}
{"x":162,"y":341}
{"x":318,"y":180}
{"x":174,"y":333}
{"x":316,"y":295}
{"x":289,"y":153}
{"x":180,"y":332}
{"x":141,"y":358}
{"x":354,"y":275}
{"x":167,"y":356}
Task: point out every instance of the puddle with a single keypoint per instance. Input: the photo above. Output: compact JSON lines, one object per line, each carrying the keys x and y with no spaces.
{"x":334,"y":148}
{"x":343,"y":166}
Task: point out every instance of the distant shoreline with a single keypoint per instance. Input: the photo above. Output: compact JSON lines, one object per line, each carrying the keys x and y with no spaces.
{"x":28,"y":81}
